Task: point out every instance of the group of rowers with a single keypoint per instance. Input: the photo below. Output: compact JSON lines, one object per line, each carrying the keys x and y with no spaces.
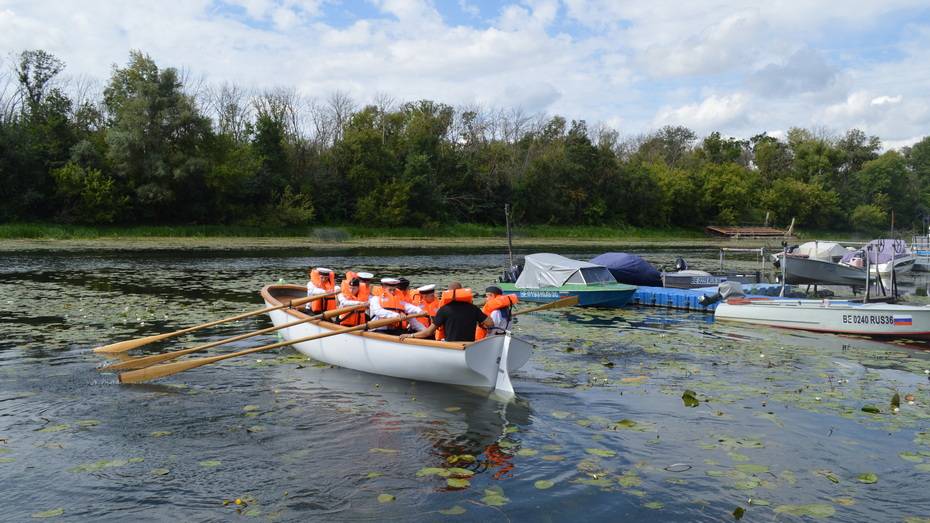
{"x":453,"y":317}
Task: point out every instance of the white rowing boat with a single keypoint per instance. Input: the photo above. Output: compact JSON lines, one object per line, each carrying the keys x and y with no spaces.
{"x":836,"y":316}
{"x":485,"y":364}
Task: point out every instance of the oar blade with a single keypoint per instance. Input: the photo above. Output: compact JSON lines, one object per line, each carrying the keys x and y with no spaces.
{"x":164,"y":370}
{"x":123,"y":346}
{"x":567,"y":301}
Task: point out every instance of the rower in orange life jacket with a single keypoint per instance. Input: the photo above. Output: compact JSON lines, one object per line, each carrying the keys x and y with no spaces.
{"x":457,"y":310}
{"x":322,"y":281}
{"x":498,"y":306}
{"x":353,"y":294}
{"x":364,"y":282}
{"x":390,"y":303}
{"x":425,"y":298}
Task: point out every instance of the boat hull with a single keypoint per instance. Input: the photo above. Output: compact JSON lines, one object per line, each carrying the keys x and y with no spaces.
{"x":616,"y":295}
{"x":805,"y":271}
{"x":841,"y":317}
{"x":467,"y":364}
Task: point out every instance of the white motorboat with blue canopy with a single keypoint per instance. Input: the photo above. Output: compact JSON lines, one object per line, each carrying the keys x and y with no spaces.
{"x":484,"y":364}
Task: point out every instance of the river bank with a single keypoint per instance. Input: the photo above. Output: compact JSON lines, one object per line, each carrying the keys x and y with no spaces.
{"x":42,"y":237}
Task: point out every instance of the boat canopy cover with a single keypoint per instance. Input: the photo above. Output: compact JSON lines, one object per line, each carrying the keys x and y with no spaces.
{"x":883,"y":251}
{"x":551,"y":270}
{"x":630,"y":269}
{"x":823,"y":251}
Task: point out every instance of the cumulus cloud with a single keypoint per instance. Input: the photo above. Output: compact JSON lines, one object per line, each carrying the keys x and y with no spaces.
{"x":737,"y":66}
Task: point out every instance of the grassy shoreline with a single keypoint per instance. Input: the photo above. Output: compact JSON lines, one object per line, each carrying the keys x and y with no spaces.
{"x":52,"y":237}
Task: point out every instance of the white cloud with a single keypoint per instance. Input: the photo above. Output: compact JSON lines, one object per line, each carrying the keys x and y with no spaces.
{"x":737,"y":66}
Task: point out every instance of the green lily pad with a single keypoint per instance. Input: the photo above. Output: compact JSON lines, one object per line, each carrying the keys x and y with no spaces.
{"x":654,"y":505}
{"x":846,"y":502}
{"x":751,"y":468}
{"x":432,"y":471}
{"x":461,"y":458}
{"x":760,"y":502}
{"x":738,"y":513}
{"x":457,"y":472}
{"x":814,"y":510}
{"x":250,"y":408}
{"x":458,"y":483}
{"x":911,"y":456}
{"x":689,"y":397}
{"x":7,"y":460}
{"x":527,"y":452}
{"x":553,"y":457}
{"x":871,"y":409}
{"x":56,"y":428}
{"x":747,"y":484}
{"x":210,"y":463}
{"x":596,"y":482}
{"x":382,"y":451}
{"x":452,"y":409}
{"x":53,"y":513}
{"x":829,"y":475}
{"x":604,"y":453}
{"x":373,"y":475}
{"x":494,"y":497}
{"x":923,"y":467}
{"x":629,"y":480}
{"x":87,"y":423}
{"x":560,"y":414}
{"x":868,"y":478}
{"x":543,"y":484}
{"x":552,"y":448}
{"x":160,"y":433}
{"x":511,"y":429}
{"x":160,"y":472}
{"x":386,"y":498}
{"x":255,"y":428}
{"x":735,"y":456}
{"x":453,"y":511}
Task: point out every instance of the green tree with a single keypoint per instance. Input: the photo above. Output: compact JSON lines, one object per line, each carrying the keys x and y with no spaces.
{"x":158,"y":141}
{"x":88,"y":196}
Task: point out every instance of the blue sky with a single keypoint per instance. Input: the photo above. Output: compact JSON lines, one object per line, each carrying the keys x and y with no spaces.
{"x":739,"y":67}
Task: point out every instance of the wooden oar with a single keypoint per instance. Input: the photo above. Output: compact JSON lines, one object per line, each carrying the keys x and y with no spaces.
{"x":148,"y":361}
{"x":167,"y":369}
{"x":567,"y":301}
{"x":124,"y":346}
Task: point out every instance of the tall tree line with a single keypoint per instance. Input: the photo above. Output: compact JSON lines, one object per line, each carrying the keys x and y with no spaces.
{"x":153,"y":146}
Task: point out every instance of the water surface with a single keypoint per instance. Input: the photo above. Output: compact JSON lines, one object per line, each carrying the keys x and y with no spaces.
{"x":599,"y":429}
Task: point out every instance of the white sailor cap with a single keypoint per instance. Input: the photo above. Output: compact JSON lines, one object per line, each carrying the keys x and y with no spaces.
{"x":365,"y":275}
{"x":390,"y":281}
{"x":426,"y":289}
{"x":323,"y":270}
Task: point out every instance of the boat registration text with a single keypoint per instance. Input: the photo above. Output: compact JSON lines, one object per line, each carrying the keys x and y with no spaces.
{"x":869,"y":319}
{"x":539,"y":294}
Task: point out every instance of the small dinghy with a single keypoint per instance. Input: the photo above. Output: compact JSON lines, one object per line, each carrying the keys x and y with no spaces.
{"x":485,"y":364}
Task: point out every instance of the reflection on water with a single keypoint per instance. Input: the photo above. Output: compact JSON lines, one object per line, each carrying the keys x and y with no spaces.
{"x":599,"y":429}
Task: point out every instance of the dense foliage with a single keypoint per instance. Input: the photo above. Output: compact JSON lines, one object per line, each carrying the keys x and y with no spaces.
{"x":152,"y":148}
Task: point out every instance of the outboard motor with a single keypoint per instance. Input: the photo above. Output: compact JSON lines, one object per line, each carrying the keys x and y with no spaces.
{"x":726,"y":290}
{"x":510,"y":275}
{"x":681,"y":264}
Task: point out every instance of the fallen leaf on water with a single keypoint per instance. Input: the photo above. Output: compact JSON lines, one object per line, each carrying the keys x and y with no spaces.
{"x":458,"y":483}
{"x":54,"y":513}
{"x":453,"y":511}
{"x":814,"y":510}
{"x":868,"y":478}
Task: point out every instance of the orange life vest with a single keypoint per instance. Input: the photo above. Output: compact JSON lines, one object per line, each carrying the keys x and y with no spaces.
{"x":394,"y":302}
{"x":504,"y":301}
{"x":357,"y":317}
{"x":329,"y":285}
{"x":430,"y":308}
{"x":363,"y":289}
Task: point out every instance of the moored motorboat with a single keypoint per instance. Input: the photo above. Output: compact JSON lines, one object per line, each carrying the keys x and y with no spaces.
{"x":549,"y":277}
{"x":834,"y":316}
{"x":810,"y":271}
{"x":884,"y":255}
{"x":485,"y":364}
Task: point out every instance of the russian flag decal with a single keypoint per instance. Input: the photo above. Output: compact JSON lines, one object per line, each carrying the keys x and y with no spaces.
{"x":903,"y":320}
